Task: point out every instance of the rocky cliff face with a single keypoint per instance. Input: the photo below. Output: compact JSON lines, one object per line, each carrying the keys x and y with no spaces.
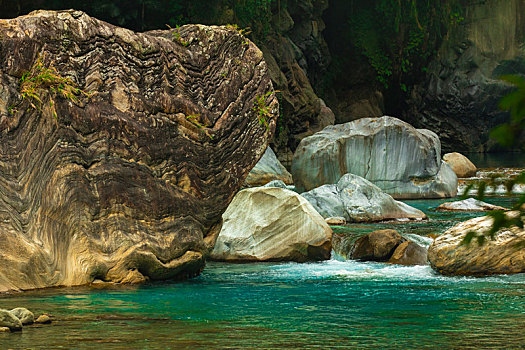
{"x":297,"y":56}
{"x":460,"y":94}
{"x":123,"y":184}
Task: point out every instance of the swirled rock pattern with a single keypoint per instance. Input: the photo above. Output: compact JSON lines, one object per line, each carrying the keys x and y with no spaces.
{"x":126,"y":184}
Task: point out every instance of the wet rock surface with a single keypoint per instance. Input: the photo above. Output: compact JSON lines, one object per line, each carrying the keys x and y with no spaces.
{"x":122,"y":185}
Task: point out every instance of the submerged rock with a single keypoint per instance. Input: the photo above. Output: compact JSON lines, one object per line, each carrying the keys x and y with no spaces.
{"x":24,"y":315}
{"x":335,"y":220}
{"x":469,"y":204}
{"x":377,"y":245}
{"x":502,"y":255}
{"x":7,"y":319}
{"x":409,"y":253}
{"x":268,"y":169}
{"x":460,"y":164}
{"x":401,"y":160}
{"x":43,"y":319}
{"x":122,"y":185}
{"x":272,"y":224}
{"x":358,"y":200}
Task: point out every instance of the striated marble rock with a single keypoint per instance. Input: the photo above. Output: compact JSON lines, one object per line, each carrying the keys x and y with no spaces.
{"x":469,"y":204}
{"x":460,"y":164}
{"x":358,"y":200}
{"x":403,"y":161}
{"x":123,"y":185}
{"x":268,"y":169}
{"x":499,"y":256}
{"x":272,"y":224}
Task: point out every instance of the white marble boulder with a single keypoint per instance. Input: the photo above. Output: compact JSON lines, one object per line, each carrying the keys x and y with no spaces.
{"x":358,"y":200}
{"x":272,"y":224}
{"x":469,"y":204}
{"x":268,"y":169}
{"x":403,"y":161}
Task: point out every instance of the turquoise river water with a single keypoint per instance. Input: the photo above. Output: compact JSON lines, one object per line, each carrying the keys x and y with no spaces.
{"x":325,"y":305}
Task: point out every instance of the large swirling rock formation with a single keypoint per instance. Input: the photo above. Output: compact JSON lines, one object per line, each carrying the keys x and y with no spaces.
{"x":128,"y":183}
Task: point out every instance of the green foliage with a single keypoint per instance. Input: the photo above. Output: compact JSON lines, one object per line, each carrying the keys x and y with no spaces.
{"x":507,"y":135}
{"x":407,"y":35}
{"x":41,"y":78}
{"x":195,"y":120}
{"x":178,"y":38}
{"x":262,"y":109}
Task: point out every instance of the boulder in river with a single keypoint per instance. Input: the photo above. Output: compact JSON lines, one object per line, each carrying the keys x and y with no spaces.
{"x":7,"y":319}
{"x":377,"y":245}
{"x":469,"y":204}
{"x":460,"y":164}
{"x":409,"y":253}
{"x":503,"y":255}
{"x":267,"y":169}
{"x":403,"y":161}
{"x":358,"y":200}
{"x":122,"y":182}
{"x":24,"y":315}
{"x":272,"y":224}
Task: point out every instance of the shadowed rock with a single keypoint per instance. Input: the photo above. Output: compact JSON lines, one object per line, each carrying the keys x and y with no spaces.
{"x":409,"y":253}
{"x":123,"y":185}
{"x":268,"y":169}
{"x":377,"y":245}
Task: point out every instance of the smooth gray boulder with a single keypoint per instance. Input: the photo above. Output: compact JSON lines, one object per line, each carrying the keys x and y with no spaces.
{"x":268,"y":169}
{"x":7,"y":319}
{"x":272,"y":224}
{"x":24,"y":315}
{"x":403,"y":161}
{"x":358,"y":200}
{"x":469,"y":204}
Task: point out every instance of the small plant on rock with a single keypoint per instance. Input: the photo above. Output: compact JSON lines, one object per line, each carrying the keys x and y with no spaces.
{"x":44,"y":77}
{"x":178,"y":37}
{"x":262,"y":109}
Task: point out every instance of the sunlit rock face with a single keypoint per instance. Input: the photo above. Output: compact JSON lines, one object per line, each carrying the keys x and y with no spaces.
{"x":502,"y":255}
{"x":403,"y":161}
{"x":272,"y":224}
{"x":126,"y":184}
